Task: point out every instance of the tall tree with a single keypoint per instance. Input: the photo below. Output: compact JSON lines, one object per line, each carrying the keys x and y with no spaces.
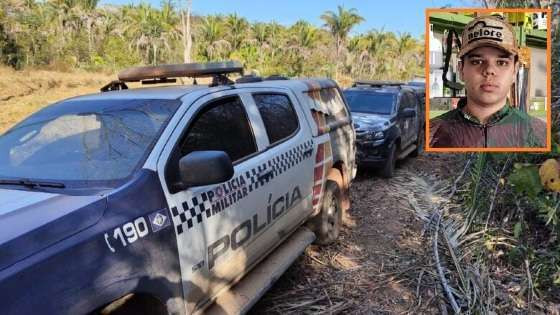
{"x":305,"y":34}
{"x":260,"y":32}
{"x":89,"y":15}
{"x":303,"y":39}
{"x":151,"y":29}
{"x":237,"y":30}
{"x":211,"y":33}
{"x":186,"y":32}
{"x":66,"y":14}
{"x":340,"y":24}
{"x":514,"y":3}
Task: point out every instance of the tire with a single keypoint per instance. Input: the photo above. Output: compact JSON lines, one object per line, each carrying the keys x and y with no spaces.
{"x":419,"y":143}
{"x":328,"y":222}
{"x":388,"y":170}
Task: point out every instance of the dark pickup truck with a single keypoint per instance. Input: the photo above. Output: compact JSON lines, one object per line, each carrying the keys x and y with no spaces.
{"x":389,"y":121}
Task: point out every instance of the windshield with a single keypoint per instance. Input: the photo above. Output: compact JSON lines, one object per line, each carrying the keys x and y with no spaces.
{"x":373,"y":103}
{"x":84,"y":142}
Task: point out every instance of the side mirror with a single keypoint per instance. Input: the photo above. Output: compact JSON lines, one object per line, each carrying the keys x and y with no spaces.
{"x":408,"y":113}
{"x":202,"y":168}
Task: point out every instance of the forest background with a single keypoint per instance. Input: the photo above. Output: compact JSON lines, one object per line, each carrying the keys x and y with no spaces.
{"x":78,"y":34}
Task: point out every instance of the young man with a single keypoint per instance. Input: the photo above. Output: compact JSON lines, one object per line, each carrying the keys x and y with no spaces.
{"x":484,"y":118}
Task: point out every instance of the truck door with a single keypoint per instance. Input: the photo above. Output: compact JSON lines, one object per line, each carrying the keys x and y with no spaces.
{"x":412,"y":121}
{"x":214,"y":224}
{"x":417,"y":120}
{"x":290,"y":160}
{"x":406,"y":124}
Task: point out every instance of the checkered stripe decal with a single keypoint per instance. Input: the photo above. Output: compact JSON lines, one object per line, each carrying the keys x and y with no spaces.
{"x":192,"y":212}
{"x":199,"y":207}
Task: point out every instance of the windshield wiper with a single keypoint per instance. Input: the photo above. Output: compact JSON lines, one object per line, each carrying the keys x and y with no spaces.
{"x":30,"y":183}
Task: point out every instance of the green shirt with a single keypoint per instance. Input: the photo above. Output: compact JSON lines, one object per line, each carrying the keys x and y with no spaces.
{"x":506,"y":128}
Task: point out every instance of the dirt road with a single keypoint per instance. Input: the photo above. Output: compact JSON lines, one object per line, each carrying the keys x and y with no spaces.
{"x":379,"y":264}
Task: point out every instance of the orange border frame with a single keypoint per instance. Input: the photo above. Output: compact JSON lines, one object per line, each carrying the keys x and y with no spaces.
{"x":548,"y":88}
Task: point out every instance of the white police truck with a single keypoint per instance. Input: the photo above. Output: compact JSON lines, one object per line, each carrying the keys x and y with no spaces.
{"x":175,"y":199}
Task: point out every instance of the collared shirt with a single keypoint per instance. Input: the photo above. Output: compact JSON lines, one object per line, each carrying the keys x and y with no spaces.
{"x":506,"y":128}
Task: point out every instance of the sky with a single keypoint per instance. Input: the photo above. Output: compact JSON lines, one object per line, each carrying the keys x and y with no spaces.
{"x":391,"y":15}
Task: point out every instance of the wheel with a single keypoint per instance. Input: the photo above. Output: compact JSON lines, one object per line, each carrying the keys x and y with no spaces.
{"x":327,"y":223}
{"x":389,"y":168}
{"x":419,"y":144}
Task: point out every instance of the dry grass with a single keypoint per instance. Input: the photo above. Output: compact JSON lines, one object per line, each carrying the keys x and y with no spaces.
{"x":382,"y":262}
{"x":24,"y":92}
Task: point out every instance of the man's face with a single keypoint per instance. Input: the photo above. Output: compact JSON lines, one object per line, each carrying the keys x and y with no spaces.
{"x":488,"y":74}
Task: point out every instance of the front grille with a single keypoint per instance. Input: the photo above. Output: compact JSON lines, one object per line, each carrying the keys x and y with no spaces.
{"x":361,"y":134}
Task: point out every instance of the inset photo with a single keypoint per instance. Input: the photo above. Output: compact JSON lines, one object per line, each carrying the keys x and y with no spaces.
{"x":488,"y":80}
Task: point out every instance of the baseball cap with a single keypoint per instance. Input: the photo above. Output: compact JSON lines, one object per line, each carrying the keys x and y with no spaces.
{"x":488,"y":30}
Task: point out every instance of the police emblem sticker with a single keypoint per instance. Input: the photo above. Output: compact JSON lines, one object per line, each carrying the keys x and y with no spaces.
{"x":159,"y":220}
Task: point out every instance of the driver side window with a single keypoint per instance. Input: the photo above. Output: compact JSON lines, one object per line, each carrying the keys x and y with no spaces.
{"x":221,"y":125}
{"x":403,"y":102}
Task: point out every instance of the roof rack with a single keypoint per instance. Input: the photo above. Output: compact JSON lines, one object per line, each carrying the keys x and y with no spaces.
{"x":375,"y":83}
{"x":168,"y":73}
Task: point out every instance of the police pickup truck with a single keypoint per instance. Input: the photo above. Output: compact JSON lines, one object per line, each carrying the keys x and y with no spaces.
{"x":170,"y":200}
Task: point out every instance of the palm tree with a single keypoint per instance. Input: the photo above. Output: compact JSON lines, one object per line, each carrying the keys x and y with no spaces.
{"x":340,"y":24}
{"x":303,"y":38}
{"x":89,"y":16}
{"x":275,"y":36}
{"x":260,"y":32}
{"x":360,"y":57}
{"x":34,"y":23}
{"x":65,"y":12}
{"x":513,"y":3}
{"x":271,"y":38}
{"x":9,"y":47}
{"x":407,"y":49}
{"x":376,"y":51}
{"x":210,"y":37}
{"x":305,"y":34}
{"x":237,"y":30}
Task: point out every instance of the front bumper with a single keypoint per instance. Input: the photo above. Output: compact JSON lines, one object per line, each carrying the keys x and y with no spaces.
{"x":372,"y":153}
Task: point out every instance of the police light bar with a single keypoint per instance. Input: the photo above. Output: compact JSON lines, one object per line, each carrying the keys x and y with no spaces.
{"x":192,"y":70}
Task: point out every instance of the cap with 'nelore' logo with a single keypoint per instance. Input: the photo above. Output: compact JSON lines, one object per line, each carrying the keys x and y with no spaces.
{"x":488,"y":31}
